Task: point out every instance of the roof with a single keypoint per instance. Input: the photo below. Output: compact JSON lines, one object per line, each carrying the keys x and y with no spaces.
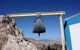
{"x":72,"y":16}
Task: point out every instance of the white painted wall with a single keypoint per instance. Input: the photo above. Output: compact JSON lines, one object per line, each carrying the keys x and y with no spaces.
{"x":75,"y":36}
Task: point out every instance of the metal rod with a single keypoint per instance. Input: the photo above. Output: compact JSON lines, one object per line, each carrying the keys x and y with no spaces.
{"x":62,"y":33}
{"x":35,"y":14}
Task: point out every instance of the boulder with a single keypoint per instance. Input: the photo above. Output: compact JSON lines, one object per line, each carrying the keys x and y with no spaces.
{"x":11,"y":38}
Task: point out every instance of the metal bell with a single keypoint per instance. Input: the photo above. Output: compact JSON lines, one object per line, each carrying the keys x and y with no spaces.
{"x":38,"y":26}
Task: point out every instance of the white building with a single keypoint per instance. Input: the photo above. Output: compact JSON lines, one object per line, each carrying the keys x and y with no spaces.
{"x":72,"y":32}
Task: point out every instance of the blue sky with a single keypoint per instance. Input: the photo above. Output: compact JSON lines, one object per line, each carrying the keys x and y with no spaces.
{"x":51,"y":23}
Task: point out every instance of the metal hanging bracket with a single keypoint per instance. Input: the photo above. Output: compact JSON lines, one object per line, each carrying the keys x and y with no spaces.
{"x":44,"y":14}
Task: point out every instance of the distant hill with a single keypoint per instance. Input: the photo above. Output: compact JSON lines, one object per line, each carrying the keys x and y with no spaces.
{"x":43,"y":44}
{"x":42,"y":40}
{"x":30,"y":39}
{"x":46,"y":40}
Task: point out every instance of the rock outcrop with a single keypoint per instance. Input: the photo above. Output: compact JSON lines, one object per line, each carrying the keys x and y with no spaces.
{"x":11,"y":38}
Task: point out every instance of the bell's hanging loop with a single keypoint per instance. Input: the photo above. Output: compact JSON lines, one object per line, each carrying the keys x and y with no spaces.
{"x":38,"y":26}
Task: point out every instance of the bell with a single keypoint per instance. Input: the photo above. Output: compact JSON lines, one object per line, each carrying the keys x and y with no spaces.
{"x":38,"y":26}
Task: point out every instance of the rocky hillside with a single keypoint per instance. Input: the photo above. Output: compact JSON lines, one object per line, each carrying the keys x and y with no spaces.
{"x":11,"y":38}
{"x":45,"y":44}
